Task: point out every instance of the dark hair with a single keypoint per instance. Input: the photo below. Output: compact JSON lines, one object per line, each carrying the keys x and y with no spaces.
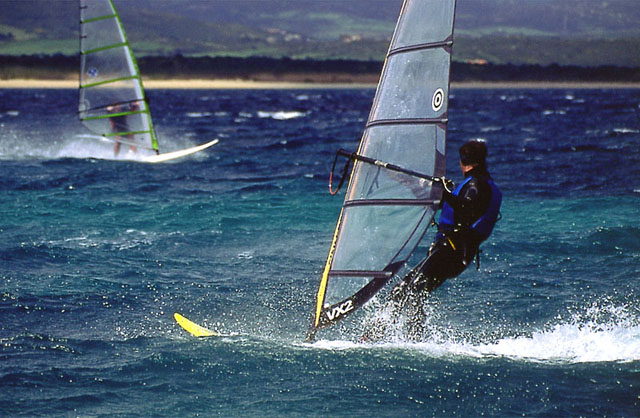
{"x":474,"y":153}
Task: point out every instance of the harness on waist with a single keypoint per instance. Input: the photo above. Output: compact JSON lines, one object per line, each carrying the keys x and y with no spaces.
{"x":483,"y":226}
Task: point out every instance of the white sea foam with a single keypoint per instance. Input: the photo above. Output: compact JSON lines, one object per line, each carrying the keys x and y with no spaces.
{"x":554,"y":112}
{"x":486,"y":129}
{"x":280,"y":115}
{"x":81,"y":147}
{"x":132,"y":239}
{"x":569,"y":343}
{"x":246,"y":255}
{"x":198,"y":114}
{"x":573,"y":98}
{"x":604,"y":332}
{"x":625,"y":130}
{"x":336,"y":345}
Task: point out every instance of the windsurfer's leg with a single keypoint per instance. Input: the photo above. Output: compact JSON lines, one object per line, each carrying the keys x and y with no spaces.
{"x":116,"y":148}
{"x":446,"y":260}
{"x":400,"y":290}
{"x":131,"y":138}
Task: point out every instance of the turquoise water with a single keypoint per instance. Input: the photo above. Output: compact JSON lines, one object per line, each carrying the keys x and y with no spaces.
{"x":97,"y":254}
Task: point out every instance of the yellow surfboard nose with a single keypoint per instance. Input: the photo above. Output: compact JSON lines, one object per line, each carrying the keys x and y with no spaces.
{"x":193,"y":328}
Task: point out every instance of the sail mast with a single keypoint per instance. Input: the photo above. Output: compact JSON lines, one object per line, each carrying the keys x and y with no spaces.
{"x":386,"y":213}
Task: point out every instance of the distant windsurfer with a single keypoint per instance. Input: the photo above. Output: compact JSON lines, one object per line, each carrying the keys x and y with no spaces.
{"x":469,"y":213}
{"x":120,"y":123}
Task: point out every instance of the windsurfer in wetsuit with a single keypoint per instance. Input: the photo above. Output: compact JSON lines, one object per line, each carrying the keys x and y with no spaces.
{"x":120,"y":123}
{"x":468,"y":215}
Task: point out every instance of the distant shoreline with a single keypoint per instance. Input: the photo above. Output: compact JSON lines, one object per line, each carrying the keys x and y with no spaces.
{"x":179,"y":72}
{"x":239,"y":84}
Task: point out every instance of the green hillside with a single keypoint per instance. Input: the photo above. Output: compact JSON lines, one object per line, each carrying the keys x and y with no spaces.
{"x":571,"y":32}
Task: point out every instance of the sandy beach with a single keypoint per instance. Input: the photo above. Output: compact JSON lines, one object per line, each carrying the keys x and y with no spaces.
{"x":249,"y":84}
{"x":185,"y":84}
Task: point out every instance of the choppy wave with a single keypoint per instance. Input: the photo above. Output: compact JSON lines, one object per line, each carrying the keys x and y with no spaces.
{"x":98,"y":254}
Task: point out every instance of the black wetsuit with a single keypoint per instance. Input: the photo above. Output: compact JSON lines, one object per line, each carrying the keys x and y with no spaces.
{"x":455,"y":245}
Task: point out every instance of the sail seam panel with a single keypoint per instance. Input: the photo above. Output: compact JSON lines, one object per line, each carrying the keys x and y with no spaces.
{"x":391,"y":202}
{"x":416,"y":121}
{"x":96,"y":19}
{"x":125,"y":133}
{"x":113,"y":80}
{"x":360,"y":273}
{"x":104,"y":48}
{"x":112,"y":115}
{"x":419,"y":47}
{"x":137,"y":145}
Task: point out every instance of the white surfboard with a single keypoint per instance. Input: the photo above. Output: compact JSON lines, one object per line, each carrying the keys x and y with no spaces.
{"x":177,"y":154}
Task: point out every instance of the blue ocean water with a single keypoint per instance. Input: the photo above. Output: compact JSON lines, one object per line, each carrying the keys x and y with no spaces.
{"x":97,"y":254}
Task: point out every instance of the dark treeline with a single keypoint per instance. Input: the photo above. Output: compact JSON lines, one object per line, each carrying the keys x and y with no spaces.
{"x":233,"y":67}
{"x":62,"y":66}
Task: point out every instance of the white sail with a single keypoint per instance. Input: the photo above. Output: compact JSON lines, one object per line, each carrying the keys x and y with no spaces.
{"x":386,"y":213}
{"x":112,"y":100}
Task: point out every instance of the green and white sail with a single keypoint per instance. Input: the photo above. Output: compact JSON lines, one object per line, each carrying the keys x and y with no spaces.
{"x":112,"y":100}
{"x":386,"y":213}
